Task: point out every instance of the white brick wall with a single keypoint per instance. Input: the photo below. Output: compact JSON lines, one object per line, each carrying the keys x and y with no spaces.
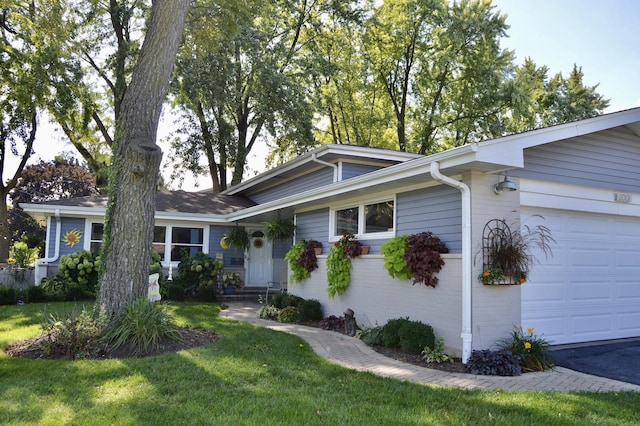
{"x":375,"y":297}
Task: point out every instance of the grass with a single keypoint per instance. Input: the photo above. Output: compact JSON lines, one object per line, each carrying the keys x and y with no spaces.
{"x":256,"y":376}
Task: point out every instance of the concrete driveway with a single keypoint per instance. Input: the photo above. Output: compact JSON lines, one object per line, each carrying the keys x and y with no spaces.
{"x":618,"y":360}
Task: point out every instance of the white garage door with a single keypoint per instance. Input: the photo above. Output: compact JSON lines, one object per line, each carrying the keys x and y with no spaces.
{"x":590,"y":289}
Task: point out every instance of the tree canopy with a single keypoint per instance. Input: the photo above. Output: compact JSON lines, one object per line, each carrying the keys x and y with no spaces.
{"x":412,"y":75}
{"x":44,"y":181}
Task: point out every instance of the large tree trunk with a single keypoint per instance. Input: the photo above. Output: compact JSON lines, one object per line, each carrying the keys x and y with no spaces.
{"x":134,"y":176}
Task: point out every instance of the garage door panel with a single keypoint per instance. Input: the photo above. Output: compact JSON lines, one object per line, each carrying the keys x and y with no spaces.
{"x":590,"y":258}
{"x":628,"y":290}
{"x":548,"y":292}
{"x":590,"y":288}
{"x":626,"y":258}
{"x":629,"y":323}
{"x":591,"y":291}
{"x":549,"y":326}
{"x":591,"y":324}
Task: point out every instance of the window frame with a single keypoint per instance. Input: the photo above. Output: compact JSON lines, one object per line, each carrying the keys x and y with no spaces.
{"x":167,"y":237}
{"x":361,"y":234}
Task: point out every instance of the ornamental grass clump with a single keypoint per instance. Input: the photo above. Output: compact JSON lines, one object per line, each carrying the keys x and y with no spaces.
{"x":533,"y":351}
{"x":141,"y":325}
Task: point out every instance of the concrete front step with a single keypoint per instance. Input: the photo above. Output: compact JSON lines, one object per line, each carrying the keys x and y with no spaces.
{"x":252,"y":294}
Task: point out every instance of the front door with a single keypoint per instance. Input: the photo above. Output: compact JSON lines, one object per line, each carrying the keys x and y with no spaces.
{"x":259,"y":265}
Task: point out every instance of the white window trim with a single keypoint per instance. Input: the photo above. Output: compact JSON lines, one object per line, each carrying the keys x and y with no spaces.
{"x":361,"y":235}
{"x":167,"y":239}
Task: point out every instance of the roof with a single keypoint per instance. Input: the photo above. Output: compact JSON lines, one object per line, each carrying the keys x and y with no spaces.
{"x":180,"y":204}
{"x":331,"y":153}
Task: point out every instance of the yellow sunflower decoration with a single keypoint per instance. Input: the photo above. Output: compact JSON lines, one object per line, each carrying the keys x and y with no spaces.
{"x":71,"y":238}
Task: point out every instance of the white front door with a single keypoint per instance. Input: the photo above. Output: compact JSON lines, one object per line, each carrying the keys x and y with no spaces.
{"x":259,"y":265}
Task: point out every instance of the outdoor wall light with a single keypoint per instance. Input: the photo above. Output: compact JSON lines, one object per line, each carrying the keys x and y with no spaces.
{"x":505,"y":185}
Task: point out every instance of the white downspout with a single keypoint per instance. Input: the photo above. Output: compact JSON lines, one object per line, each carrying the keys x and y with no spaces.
{"x":325,"y":163}
{"x":41,"y":264}
{"x":467,"y":336}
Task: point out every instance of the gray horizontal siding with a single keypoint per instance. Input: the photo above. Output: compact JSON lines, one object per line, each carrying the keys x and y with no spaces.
{"x":295,"y":186}
{"x":314,"y":226}
{"x":607,"y":160}
{"x":437,"y":209}
{"x":353,"y":170}
{"x":231,"y":256}
{"x":68,"y":224}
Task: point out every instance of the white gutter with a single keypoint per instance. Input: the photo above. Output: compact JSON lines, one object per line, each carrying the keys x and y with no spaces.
{"x":42,"y":263}
{"x":315,"y":159}
{"x":467,"y":336}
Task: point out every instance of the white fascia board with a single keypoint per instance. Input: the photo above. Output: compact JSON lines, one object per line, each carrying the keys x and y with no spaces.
{"x":68,"y":211}
{"x":351,"y":150}
{"x":192,"y":217}
{"x":409,"y":169}
{"x":99,"y":212}
{"x":564,"y":131}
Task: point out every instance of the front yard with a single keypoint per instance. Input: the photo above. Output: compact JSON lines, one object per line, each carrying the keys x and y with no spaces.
{"x":253,"y":375}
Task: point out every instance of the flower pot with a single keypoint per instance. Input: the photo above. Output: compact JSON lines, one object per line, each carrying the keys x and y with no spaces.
{"x":364,"y":250}
{"x":318,"y":251}
{"x":229,"y":290}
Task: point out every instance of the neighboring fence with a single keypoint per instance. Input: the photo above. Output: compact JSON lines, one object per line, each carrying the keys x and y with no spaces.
{"x":18,"y":278}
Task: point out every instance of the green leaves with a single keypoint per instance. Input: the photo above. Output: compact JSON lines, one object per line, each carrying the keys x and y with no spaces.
{"x":394,"y":262}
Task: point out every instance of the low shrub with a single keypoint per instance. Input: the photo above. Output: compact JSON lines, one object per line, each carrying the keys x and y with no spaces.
{"x":7,"y":295}
{"x":332,"y":323}
{"x":370,"y":336}
{"x":269,"y":313}
{"x":282,"y":300}
{"x":141,"y":325}
{"x":310,"y":310}
{"x":533,"y":350}
{"x":172,"y":291}
{"x":494,"y":363}
{"x":76,"y":292}
{"x":279,"y":300}
{"x":36,"y":294}
{"x":74,"y":336}
{"x":436,"y":354}
{"x":390,"y":331}
{"x":414,"y":336}
{"x":197,"y":271}
{"x":207,"y":292}
{"x":289,"y":314}
{"x":81,"y":268}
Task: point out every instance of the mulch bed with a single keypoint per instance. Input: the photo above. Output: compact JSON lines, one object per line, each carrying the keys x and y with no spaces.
{"x":396,"y":353}
{"x":191,"y":338}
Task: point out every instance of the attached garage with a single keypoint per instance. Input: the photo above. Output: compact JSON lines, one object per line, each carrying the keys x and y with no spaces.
{"x":590,"y":289}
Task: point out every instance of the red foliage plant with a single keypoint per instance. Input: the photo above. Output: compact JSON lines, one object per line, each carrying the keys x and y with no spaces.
{"x":423,"y":257}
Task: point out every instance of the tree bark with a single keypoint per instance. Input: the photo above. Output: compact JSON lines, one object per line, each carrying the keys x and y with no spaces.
{"x":133,"y":183}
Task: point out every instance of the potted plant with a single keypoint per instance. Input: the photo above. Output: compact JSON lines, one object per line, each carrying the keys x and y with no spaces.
{"x":237,"y":237}
{"x":315,"y":245}
{"x":507,"y":257}
{"x":415,"y":256}
{"x":302,"y":259}
{"x":279,"y":229}
{"x":339,"y":264}
{"x":231,"y":281}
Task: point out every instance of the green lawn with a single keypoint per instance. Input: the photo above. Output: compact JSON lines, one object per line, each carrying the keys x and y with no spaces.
{"x":256,"y":376}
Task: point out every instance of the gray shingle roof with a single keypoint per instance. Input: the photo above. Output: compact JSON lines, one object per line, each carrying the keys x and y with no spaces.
{"x":172,"y":202}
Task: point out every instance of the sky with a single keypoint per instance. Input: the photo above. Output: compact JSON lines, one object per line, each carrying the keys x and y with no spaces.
{"x":601,"y":36}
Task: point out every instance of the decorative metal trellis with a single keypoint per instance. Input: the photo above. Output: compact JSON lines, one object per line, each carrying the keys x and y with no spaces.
{"x":500,"y":256}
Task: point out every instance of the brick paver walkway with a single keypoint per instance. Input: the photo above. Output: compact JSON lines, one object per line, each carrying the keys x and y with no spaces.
{"x":352,"y":353}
